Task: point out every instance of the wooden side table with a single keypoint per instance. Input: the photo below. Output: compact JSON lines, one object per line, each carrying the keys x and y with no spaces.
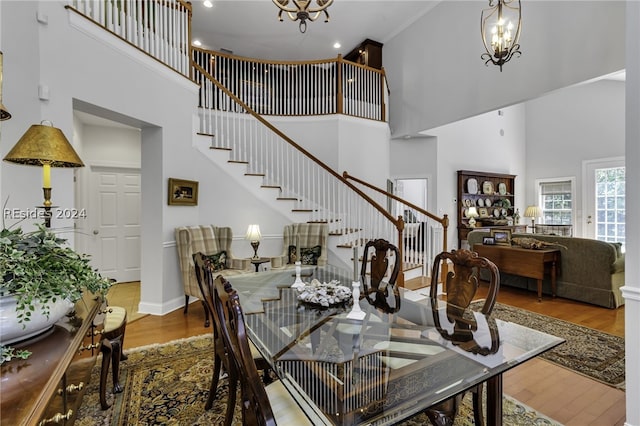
{"x":259,"y":261}
{"x":528,"y":263}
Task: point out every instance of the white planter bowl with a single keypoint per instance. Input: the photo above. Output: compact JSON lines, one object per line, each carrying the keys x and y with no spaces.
{"x":12,"y":331}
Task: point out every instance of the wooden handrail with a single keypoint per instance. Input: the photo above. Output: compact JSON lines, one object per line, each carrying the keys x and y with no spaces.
{"x":444,"y":220}
{"x":291,"y":142}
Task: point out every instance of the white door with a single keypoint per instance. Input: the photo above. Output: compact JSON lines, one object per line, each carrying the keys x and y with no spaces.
{"x":604,"y":198}
{"x":114,"y":211}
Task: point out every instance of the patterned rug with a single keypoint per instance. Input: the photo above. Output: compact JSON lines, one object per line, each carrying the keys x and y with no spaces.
{"x":169,"y":384}
{"x":590,"y":352}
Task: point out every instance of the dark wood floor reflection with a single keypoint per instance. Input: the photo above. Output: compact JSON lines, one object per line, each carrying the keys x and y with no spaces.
{"x":567,"y":397}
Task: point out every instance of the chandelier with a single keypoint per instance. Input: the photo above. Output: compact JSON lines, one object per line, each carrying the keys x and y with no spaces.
{"x":303,"y":11}
{"x":500,"y":27}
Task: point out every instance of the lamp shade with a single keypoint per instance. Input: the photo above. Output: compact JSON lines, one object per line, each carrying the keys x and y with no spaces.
{"x":533,"y":212}
{"x":42,"y":144}
{"x":472,"y":212}
{"x":253,"y":233}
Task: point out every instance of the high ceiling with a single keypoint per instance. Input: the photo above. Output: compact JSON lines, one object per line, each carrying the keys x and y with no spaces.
{"x":251,"y":28}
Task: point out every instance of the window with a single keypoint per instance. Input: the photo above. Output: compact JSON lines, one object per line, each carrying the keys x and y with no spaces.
{"x":610,"y":204}
{"x":556,"y":200}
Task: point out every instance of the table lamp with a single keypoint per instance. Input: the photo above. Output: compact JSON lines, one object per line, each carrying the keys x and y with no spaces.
{"x":533,"y":212}
{"x":46,"y":146}
{"x":253,"y":235}
{"x":472,"y":213}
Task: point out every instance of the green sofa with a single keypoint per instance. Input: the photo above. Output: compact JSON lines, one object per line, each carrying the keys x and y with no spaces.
{"x":590,"y":271}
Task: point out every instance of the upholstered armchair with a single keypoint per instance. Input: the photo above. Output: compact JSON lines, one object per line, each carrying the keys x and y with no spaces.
{"x":306,"y":242}
{"x":210,"y":240}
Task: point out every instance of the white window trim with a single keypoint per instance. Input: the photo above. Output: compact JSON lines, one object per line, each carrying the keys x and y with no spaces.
{"x":572,"y":180}
{"x":588,"y":167}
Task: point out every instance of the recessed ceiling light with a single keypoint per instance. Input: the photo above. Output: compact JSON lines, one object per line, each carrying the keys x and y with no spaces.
{"x":197,"y":43}
{"x":207,"y":3}
{"x":337,"y":45}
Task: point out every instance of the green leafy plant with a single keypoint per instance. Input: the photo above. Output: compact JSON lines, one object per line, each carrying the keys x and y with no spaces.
{"x":39,"y":268}
{"x":7,"y":353}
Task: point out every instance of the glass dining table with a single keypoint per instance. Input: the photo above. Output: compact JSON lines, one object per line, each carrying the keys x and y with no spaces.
{"x":407,"y":354}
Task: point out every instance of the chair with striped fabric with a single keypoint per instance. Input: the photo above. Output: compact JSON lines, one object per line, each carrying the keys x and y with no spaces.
{"x":212,"y":241}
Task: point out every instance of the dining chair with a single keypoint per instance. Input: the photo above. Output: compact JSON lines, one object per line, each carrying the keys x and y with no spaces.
{"x":261,"y":405}
{"x":461,"y":284}
{"x":204,"y":277}
{"x":382,"y":279}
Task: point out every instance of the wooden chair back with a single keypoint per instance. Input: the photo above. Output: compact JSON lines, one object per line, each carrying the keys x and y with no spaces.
{"x":204,"y":276}
{"x":256,"y":408}
{"x":462,"y":281}
{"x":377,"y":254}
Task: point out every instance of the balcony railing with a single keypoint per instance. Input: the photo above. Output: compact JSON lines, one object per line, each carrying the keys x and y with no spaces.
{"x":300,"y":88}
{"x":159,"y":28}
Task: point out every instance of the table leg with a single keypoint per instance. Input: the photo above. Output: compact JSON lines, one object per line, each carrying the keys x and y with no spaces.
{"x":553,"y":278}
{"x":257,"y":265}
{"x":539,"y":290}
{"x":494,"y":401}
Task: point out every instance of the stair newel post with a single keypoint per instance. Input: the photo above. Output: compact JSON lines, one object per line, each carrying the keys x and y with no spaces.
{"x":339,"y":99}
{"x":400,"y":227}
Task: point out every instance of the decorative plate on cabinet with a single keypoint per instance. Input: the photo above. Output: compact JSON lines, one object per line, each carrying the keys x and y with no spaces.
{"x":506,"y":203}
{"x":480,"y":202}
{"x":472,"y":186}
{"x":487,"y":202}
{"x":502,"y":188}
{"x":487,"y":187}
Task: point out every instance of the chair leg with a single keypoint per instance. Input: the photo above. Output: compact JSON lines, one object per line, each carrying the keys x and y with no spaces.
{"x":116,"y":354}
{"x":231,"y":401}
{"x":186,"y":303}
{"x":214,"y":382}
{"x":206,"y":314}
{"x":107,"y":351}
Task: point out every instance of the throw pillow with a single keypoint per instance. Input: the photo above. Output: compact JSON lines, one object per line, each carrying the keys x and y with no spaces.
{"x":218,"y":261}
{"x":309,"y":256}
{"x":293,"y":257}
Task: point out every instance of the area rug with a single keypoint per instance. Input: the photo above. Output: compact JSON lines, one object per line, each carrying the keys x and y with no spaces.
{"x":590,"y":352}
{"x":169,"y":385}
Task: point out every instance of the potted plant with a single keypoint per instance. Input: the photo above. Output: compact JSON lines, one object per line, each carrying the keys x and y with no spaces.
{"x":41,"y":277}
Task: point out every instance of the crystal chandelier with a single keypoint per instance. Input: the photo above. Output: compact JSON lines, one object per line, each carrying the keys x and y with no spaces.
{"x":500,"y":27}
{"x":303,"y":11}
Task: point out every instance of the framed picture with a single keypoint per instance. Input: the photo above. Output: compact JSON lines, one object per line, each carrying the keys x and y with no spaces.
{"x":483,"y":212}
{"x":501,"y":236}
{"x":183,"y":192}
{"x":489,"y":241}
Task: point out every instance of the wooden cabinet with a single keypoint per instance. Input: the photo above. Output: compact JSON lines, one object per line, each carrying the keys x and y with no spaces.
{"x":492,"y":195}
{"x":47,"y":387}
{"x":367,"y":53}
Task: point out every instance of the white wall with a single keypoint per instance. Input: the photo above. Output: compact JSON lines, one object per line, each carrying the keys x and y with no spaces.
{"x":491,"y":142}
{"x":437,"y":77}
{"x":569,"y":126}
{"x":361,"y":147}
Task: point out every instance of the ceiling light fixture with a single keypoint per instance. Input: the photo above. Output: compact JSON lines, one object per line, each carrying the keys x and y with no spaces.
{"x":501,"y":36}
{"x":207,"y":3}
{"x":303,"y":11}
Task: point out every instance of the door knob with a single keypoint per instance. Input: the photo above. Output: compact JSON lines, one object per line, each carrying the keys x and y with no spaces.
{"x":96,"y":232}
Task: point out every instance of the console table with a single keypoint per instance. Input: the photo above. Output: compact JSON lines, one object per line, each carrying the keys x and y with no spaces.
{"x":47,"y":387}
{"x":523,"y":262}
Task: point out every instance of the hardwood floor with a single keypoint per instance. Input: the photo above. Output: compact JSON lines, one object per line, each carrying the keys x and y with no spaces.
{"x":567,"y":397}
